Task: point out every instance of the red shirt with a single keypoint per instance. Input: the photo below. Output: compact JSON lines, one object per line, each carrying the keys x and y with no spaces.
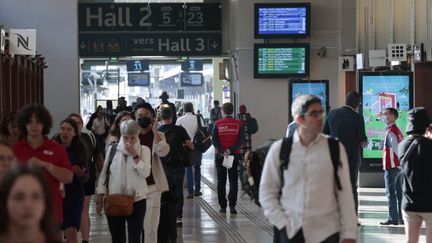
{"x":50,"y":152}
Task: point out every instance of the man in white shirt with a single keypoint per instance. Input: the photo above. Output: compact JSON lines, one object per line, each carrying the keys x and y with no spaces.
{"x":190,"y":123}
{"x":306,"y":205}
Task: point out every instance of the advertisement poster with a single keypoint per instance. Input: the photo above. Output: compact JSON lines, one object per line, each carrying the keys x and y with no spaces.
{"x":318,"y":88}
{"x":381,"y":92}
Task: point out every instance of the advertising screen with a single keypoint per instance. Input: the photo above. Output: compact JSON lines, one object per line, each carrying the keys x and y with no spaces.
{"x":287,"y":20}
{"x":138,"y":79}
{"x":318,"y":88}
{"x":381,"y":90}
{"x":281,"y":60}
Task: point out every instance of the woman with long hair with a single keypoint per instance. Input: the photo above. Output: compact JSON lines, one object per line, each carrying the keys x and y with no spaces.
{"x":9,"y":128}
{"x":26,"y":207}
{"x":73,"y":202}
{"x":114,"y":133}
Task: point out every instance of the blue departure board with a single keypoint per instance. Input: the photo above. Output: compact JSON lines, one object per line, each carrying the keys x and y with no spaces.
{"x":282,"y":20}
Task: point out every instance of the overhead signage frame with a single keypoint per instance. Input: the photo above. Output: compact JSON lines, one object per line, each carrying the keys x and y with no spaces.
{"x":170,"y":29}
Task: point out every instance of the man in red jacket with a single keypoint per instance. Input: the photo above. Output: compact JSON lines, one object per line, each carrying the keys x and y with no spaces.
{"x":227,"y":137}
{"x":391,"y":166}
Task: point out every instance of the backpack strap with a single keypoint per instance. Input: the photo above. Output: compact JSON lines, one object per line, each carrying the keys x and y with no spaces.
{"x":110,"y":159}
{"x":334,"y":154}
{"x":404,"y":158}
{"x":284,"y":154}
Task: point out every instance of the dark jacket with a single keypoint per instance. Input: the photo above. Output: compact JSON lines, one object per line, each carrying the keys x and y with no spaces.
{"x":173,"y":110}
{"x":417,"y":175}
{"x":348,"y":126}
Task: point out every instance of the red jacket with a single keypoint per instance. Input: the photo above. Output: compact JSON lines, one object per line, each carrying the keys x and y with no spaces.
{"x":390,"y":159}
{"x":229,"y":134}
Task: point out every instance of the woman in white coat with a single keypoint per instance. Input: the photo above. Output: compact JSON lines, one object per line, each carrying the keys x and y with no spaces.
{"x":127,"y":176}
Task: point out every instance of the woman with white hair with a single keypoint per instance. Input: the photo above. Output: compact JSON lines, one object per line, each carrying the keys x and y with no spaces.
{"x":124,"y":173}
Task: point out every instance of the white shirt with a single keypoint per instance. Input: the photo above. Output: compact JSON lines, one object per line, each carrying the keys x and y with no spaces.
{"x":99,"y":126}
{"x":308,"y":198}
{"x":190,"y":124}
{"x":126,"y":177}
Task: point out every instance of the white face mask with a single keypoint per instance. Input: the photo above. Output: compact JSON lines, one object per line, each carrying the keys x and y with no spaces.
{"x":384,"y":120}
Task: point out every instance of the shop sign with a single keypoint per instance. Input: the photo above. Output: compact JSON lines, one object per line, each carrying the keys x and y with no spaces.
{"x":22,"y":41}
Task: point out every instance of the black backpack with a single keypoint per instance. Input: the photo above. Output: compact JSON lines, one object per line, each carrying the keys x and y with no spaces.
{"x":258,"y":156}
{"x":252,"y":124}
{"x":201,"y":140}
{"x":178,"y":153}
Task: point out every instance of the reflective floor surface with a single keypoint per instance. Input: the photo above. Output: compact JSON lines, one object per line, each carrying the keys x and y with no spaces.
{"x":202,"y":221}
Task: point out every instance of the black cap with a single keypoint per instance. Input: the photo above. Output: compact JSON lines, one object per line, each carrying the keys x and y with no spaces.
{"x":417,"y":120}
{"x":164,"y":96}
{"x":147,"y":106}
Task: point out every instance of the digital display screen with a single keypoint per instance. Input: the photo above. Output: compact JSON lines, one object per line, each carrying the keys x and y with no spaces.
{"x":282,"y":20}
{"x":381,"y":91}
{"x":137,"y":65}
{"x":281,"y":60}
{"x":318,"y":88}
{"x":191,"y":79}
{"x":138,"y":79}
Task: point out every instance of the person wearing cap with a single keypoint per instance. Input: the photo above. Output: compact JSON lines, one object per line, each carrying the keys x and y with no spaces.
{"x":415,"y":154}
{"x":164,"y":97}
{"x":391,"y":167}
{"x":347,"y":125}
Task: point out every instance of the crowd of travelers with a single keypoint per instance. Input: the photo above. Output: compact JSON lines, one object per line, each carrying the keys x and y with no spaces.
{"x":133,"y":165}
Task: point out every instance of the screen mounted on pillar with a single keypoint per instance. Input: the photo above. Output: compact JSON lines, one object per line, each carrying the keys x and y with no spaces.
{"x":282,"y":20}
{"x":289,"y":60}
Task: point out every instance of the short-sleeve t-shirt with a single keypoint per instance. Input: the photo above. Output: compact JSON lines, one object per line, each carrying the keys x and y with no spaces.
{"x":50,"y":152}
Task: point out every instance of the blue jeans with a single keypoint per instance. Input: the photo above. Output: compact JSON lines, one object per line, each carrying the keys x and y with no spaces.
{"x":194,"y":177}
{"x":393,"y":184}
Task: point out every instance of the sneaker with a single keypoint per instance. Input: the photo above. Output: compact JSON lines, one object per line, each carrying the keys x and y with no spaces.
{"x":222,"y":210}
{"x":197,"y":194}
{"x":389,"y":222}
{"x":179,"y":222}
{"x":233,"y":210}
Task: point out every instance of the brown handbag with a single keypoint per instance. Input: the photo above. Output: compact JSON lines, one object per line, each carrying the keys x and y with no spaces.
{"x":118,"y":205}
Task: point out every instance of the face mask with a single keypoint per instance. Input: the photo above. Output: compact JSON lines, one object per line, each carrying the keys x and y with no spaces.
{"x":144,"y":122}
{"x":384,"y":120}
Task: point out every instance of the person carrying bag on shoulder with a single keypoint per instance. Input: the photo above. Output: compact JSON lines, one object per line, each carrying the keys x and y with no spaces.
{"x":123,"y":182}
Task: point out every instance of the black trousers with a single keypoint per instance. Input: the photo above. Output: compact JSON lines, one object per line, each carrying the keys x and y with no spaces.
{"x":221,"y":183}
{"x":134,"y":221}
{"x":354,"y":171}
{"x":280,"y":236}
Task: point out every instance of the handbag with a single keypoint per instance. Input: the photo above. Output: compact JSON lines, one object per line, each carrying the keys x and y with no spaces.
{"x":116,"y":204}
{"x":202,"y":141}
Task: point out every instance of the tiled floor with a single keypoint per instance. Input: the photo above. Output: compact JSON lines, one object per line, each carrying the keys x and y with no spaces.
{"x":203,"y":223}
